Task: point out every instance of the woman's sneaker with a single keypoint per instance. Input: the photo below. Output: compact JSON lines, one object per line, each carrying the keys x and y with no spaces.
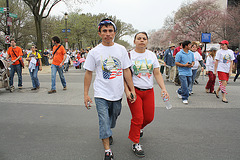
{"x":141,"y":132}
{"x":138,"y":151}
{"x":108,"y":156}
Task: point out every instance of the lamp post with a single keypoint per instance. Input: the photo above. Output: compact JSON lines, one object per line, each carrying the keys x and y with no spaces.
{"x":8,"y":27}
{"x":66,"y":39}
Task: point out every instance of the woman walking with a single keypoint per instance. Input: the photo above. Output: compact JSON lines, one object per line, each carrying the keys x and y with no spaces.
{"x":210,"y":69}
{"x":223,"y":66}
{"x":197,"y":60}
{"x":144,"y":66}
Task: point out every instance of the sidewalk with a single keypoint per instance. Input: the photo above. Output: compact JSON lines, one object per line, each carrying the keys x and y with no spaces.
{"x":45,"y":70}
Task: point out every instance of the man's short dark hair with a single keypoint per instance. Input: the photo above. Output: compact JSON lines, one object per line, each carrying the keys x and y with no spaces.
{"x":12,"y":40}
{"x":106,"y":24}
{"x":185,"y":43}
{"x":56,"y":39}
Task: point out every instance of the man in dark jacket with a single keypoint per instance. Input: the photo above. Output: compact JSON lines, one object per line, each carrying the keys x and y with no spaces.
{"x":169,"y":62}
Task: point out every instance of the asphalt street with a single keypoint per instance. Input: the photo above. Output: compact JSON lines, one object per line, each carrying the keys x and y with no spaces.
{"x":38,"y":126}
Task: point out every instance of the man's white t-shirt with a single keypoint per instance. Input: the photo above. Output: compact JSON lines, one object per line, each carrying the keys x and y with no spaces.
{"x":210,"y":64}
{"x":108,"y":62}
{"x":197,"y":58}
{"x":224,"y":58}
{"x":142,"y":68}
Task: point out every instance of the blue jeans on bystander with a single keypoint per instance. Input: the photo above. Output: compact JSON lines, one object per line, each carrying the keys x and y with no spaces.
{"x":194,"y":73}
{"x":34,"y":77}
{"x":15,"y":68}
{"x":185,"y":83}
{"x":54,"y":70}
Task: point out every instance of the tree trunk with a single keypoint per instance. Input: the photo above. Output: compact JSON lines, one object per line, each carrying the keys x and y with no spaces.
{"x":38,"y":25}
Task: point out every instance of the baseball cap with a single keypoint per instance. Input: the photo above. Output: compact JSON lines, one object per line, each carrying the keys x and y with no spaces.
{"x":224,"y":42}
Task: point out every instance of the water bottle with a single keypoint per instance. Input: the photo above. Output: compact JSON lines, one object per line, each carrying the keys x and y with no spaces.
{"x":167,"y":103}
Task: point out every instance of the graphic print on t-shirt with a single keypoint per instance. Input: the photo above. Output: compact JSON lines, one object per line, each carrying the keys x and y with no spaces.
{"x":143,"y":68}
{"x":227,"y":58}
{"x":111,"y":68}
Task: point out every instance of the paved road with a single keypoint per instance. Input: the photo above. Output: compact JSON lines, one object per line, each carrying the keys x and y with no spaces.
{"x":38,"y":126}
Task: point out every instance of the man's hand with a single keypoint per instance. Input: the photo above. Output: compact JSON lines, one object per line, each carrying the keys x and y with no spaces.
{"x":86,"y":100}
{"x":189,"y":65}
{"x":61,"y":64}
{"x":40,"y":68}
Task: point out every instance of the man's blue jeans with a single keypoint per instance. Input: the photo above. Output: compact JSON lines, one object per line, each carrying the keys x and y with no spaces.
{"x":34,"y":77}
{"x":54,"y":70}
{"x":16,"y":68}
{"x":108,"y":112}
{"x":185,"y":83}
{"x":194,"y":73}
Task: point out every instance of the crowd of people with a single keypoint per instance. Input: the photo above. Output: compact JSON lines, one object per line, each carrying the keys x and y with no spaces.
{"x":119,"y":71}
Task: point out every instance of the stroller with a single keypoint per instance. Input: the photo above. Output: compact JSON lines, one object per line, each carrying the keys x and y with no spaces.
{"x":4,"y":74}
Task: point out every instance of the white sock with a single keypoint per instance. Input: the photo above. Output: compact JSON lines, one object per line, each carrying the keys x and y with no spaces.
{"x":109,"y":150}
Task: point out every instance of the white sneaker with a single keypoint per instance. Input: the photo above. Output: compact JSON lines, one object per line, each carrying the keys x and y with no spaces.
{"x":185,"y":101}
{"x":179,"y":96}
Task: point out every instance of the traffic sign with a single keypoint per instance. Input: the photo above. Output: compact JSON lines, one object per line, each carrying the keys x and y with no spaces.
{"x":64,"y":30}
{"x":2,"y":9}
{"x":206,"y":37}
{"x":7,"y":39}
{"x":12,"y":15}
{"x":9,"y":21}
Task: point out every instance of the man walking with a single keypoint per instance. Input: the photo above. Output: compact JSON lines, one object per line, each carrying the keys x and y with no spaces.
{"x":16,"y":54}
{"x":58,"y":56}
{"x":185,"y":61}
{"x":45,"y":56}
{"x":169,"y":63}
{"x":111,"y":63}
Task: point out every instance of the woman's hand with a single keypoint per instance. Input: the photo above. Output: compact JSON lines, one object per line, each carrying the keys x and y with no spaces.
{"x":165,"y":93}
{"x":131,"y":96}
{"x":40,"y":68}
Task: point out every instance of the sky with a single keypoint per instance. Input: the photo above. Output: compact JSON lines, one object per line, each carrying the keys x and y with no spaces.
{"x":144,"y":15}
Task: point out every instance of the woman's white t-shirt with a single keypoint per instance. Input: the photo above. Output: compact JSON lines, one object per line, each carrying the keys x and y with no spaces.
{"x":224,"y":58}
{"x":210,"y":64}
{"x":108,"y":62}
{"x":142,"y":68}
{"x":197,"y":58}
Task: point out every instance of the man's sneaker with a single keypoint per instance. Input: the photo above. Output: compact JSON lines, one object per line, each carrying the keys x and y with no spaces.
{"x":138,"y":151}
{"x":108,"y":156}
{"x":185,"y":101}
{"x":179,"y":96}
{"x":19,"y":87}
{"x":110,"y":140}
{"x":65,"y":88}
{"x":141,"y":132}
{"x":11,"y":88}
{"x":52,"y":91}
{"x":34,"y":89}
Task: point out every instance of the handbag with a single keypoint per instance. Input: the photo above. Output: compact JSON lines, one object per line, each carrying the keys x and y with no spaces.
{"x":20,"y":60}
